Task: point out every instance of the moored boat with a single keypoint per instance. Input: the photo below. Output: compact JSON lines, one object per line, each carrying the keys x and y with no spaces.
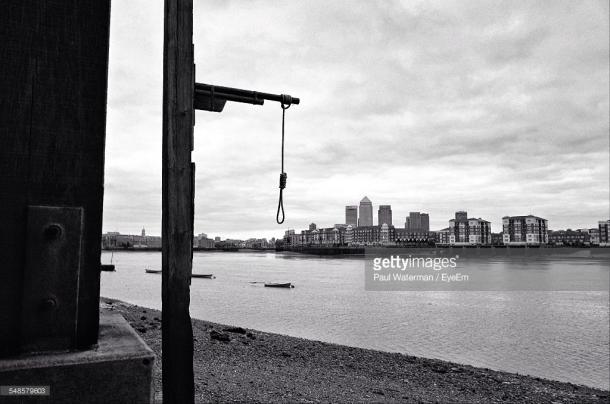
{"x":279,"y":285}
{"x":205,"y":276}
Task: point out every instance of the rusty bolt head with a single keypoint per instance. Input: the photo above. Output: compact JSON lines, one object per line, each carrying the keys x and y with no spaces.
{"x":53,"y":231}
{"x":48,"y":303}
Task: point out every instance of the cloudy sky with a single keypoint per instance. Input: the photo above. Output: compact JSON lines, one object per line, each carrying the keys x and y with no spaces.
{"x":497,"y":108}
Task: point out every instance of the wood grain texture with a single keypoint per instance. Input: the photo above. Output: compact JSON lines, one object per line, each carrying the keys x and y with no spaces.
{"x":53,"y":85}
{"x":177,"y":217}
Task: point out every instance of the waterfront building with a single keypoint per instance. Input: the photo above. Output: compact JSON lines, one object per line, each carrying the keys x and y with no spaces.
{"x":473,"y":231}
{"x":365,"y":214}
{"x":497,"y":239}
{"x":296,"y":239}
{"x":524,"y":230}
{"x":257,"y":243}
{"x":384,"y":234}
{"x":326,"y":236}
{"x":384,"y":215}
{"x":288,"y":237}
{"x":202,"y":241}
{"x":233,"y":243}
{"x":404,"y":236}
{"x":371,"y":235}
{"x":442,"y":236}
{"x":417,"y":222}
{"x":348,"y":237}
{"x":351,"y":215}
{"x":569,"y":237}
{"x":114,"y":240}
{"x":333,"y":236}
{"x":594,"y":236}
{"x":603,"y":230}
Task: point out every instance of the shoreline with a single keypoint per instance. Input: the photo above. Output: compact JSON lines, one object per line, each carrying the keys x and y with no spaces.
{"x":236,"y":364}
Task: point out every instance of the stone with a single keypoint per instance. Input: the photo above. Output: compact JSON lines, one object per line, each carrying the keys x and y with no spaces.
{"x":117,"y":370}
{"x":236,"y":330}
{"x":218,"y":336}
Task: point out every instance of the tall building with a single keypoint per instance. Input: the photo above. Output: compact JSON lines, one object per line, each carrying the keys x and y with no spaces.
{"x":524,"y":230}
{"x":603,"y":230}
{"x":365,"y":214}
{"x":425,"y":222}
{"x":464,"y":231}
{"x":351,"y":215}
{"x":384,"y":215}
{"x":417,"y":222}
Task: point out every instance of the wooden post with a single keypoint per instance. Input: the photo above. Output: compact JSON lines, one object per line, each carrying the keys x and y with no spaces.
{"x":53,"y":84}
{"x":177,"y":218}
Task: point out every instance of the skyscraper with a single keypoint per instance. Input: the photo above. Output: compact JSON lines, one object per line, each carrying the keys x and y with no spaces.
{"x":425,"y":222}
{"x":351,"y":215}
{"x":365,"y":212}
{"x":413,"y":221}
{"x":384,"y":215}
{"x":417,"y":222}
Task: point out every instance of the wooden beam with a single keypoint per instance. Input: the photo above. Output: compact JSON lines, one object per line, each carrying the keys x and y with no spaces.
{"x":53,"y":85}
{"x":177,"y":217}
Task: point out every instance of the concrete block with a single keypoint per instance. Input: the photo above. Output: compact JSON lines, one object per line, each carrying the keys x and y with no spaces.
{"x":118,"y":370}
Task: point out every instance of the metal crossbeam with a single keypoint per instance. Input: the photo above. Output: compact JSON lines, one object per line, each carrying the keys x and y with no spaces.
{"x":213,"y":98}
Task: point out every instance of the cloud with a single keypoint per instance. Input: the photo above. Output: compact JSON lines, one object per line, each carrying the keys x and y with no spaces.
{"x":496,"y":107}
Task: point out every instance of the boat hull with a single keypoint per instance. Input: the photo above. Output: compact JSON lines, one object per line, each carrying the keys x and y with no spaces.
{"x":287,"y":285}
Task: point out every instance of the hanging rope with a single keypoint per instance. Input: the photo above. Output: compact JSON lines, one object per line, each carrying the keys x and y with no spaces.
{"x":286,"y":101}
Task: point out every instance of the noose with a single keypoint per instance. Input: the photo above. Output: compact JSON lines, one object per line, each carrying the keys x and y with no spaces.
{"x":286,"y":101}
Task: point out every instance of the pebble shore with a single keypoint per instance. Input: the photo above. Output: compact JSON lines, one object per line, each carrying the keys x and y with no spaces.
{"x":232,"y":364}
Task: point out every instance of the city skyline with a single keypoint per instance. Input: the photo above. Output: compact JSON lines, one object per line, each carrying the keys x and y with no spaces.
{"x":510,"y":119}
{"x":459,"y":215}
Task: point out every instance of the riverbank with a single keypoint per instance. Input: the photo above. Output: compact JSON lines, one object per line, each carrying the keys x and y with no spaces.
{"x":233,"y":364}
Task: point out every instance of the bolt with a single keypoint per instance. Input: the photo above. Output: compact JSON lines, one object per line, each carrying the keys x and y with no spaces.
{"x":53,"y":231}
{"x":49,"y":303}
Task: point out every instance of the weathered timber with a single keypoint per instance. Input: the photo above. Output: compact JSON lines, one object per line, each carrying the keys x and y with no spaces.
{"x":53,"y":81}
{"x":177,"y":205}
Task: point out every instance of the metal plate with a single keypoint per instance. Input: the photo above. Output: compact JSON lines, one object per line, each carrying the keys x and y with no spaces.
{"x":50,"y":283}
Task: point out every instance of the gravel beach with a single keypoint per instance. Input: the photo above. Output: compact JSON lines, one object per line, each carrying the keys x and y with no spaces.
{"x":232,"y":364}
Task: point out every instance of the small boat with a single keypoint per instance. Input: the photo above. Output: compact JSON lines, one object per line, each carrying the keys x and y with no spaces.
{"x":279,"y":285}
{"x":206,"y":276}
{"x":158,"y":271}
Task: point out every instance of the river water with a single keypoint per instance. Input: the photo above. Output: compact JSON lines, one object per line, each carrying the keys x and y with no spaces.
{"x":561,"y":335}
